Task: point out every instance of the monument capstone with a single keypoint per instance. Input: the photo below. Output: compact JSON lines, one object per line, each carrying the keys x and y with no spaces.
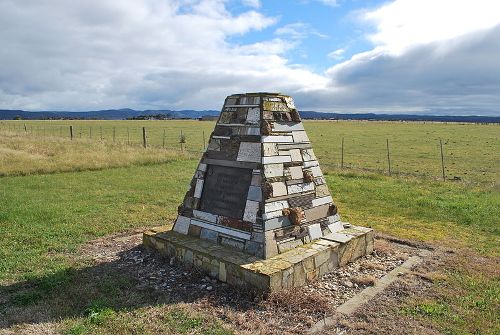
{"x":258,"y":211}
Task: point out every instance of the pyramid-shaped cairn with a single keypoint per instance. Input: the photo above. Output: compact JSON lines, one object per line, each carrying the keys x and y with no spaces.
{"x":258,"y":187}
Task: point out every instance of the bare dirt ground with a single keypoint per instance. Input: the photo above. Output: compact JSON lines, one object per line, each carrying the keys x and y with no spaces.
{"x":286,"y":312}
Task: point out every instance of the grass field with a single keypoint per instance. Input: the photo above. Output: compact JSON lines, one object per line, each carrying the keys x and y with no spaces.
{"x":470,"y":150}
{"x":107,"y":187}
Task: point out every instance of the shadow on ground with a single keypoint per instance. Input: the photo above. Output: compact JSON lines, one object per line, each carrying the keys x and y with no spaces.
{"x":134,"y":279}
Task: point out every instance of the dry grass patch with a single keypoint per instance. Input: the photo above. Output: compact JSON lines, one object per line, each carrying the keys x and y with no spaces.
{"x":24,"y":155}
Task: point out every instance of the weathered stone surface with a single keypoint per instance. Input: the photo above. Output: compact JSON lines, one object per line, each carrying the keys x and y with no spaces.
{"x":295,"y":172}
{"x":300,"y":188}
{"x":277,"y":139}
{"x":279,"y":189}
{"x":282,"y":247}
{"x":270,"y":149}
{"x":249,"y":152}
{"x":254,"y":193}
{"x":278,"y":222}
{"x":322,"y":201}
{"x":275,"y":206}
{"x":210,"y":235}
{"x":205,"y":216}
{"x":259,"y":162}
{"x":273,"y":170}
{"x":316,"y":213}
{"x":314,"y":231}
{"x":182,"y":224}
{"x":253,"y":115}
{"x":322,"y":190}
{"x":335,"y":227}
{"x":251,"y":209}
{"x":230,"y":242}
{"x":300,"y":136}
{"x":199,"y":188}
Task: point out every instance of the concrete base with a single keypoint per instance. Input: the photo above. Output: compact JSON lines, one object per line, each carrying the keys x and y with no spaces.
{"x":292,"y":268}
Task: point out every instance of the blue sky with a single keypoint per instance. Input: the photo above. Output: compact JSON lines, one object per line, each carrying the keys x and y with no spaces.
{"x":350,"y":56}
{"x":322,"y":28}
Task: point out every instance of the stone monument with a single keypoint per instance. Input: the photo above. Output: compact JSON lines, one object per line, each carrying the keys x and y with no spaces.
{"x":258,"y":211}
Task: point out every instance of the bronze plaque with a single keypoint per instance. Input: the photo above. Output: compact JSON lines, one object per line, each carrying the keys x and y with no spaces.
{"x":225,"y":191}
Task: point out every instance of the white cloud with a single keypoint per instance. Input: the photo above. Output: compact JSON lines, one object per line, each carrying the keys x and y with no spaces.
{"x":147,"y":54}
{"x":332,"y":3}
{"x":252,"y":3}
{"x":298,"y":31}
{"x":428,"y":56}
{"x":404,"y":23}
{"x":337,"y":54}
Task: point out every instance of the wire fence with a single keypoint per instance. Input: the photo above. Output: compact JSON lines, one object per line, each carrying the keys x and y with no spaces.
{"x":439,"y":151}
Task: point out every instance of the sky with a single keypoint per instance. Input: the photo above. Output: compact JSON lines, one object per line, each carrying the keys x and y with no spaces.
{"x":347,"y":56}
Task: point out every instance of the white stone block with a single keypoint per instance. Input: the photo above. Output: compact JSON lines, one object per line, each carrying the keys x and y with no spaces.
{"x":296,"y":172}
{"x":277,"y":139}
{"x":273,"y":170}
{"x":220,"y":229}
{"x":279,"y":189}
{"x":296,"y":156}
{"x":199,"y":188}
{"x":289,"y":102}
{"x":299,"y":188}
{"x":316,"y":171}
{"x":251,"y":209}
{"x":204,"y":216}
{"x":287,"y":126}
{"x":270,"y":149}
{"x":336,"y":227}
{"x":300,"y":137}
{"x":275,"y":206}
{"x":276,"y":159}
{"x":308,"y":155}
{"x":272,"y":215}
{"x":322,"y":201}
{"x":182,"y":225}
{"x":334,"y":218}
{"x":310,"y":164}
{"x":315,"y":231}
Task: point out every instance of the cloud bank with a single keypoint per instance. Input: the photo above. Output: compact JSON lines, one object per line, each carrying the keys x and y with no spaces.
{"x":426,"y":57}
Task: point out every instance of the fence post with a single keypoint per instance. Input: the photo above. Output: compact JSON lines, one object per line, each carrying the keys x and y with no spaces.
{"x":182,"y":139}
{"x":25,"y":130}
{"x":163,"y":143}
{"x":204,"y":147}
{"x":144,"y":139}
{"x":442,"y":159}
{"x":342,"y":155}
{"x":100,"y":130}
{"x":388,"y":157}
{"x":90,"y":132}
{"x":114,"y":134}
{"x":128,"y":136}
{"x":71,"y":132}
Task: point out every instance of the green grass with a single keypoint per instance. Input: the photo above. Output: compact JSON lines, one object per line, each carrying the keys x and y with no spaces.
{"x":43,"y":217}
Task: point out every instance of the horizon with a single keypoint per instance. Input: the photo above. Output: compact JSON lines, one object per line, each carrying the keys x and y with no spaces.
{"x":379,"y":113}
{"x":332,"y":56}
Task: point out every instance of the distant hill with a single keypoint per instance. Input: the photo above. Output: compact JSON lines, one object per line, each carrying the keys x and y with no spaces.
{"x":126,"y":113}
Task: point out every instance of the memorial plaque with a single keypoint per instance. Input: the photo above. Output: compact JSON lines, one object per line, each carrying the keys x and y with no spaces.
{"x":225,"y":191}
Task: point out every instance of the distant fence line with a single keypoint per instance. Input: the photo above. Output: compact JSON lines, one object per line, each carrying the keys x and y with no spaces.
{"x":178,"y":140}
